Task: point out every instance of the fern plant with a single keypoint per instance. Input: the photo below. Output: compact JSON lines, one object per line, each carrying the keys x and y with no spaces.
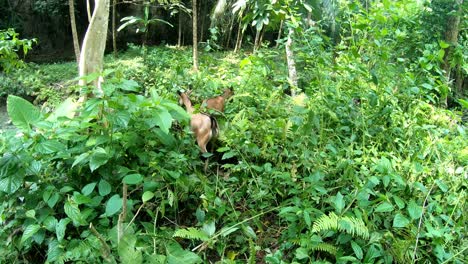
{"x":349,"y":225}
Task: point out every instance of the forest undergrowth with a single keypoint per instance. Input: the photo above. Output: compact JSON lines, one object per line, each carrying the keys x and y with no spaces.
{"x":361,"y":166}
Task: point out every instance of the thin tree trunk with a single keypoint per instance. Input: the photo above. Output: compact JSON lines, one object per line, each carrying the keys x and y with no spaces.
{"x":114,"y":31}
{"x":94,"y":44}
{"x":88,"y":10}
{"x":451,"y":37}
{"x":279,"y":33}
{"x":179,"y":33}
{"x":231,"y":24}
{"x":239,"y":29}
{"x":203,"y":15}
{"x":291,"y":63}
{"x":260,"y":41}
{"x":195,"y":31}
{"x":76,"y":42}
{"x":257,"y":38}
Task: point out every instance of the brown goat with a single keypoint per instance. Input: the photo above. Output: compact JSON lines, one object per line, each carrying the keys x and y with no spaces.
{"x":205,"y":127}
{"x":217,"y":103}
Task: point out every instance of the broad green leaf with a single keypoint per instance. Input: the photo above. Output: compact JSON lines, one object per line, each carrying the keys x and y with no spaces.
{"x":10,"y":184}
{"x":81,"y":198}
{"x":61,"y":227}
{"x":29,"y":231}
{"x":31,"y":214}
{"x":52,"y":201}
{"x":414,"y":210}
{"x":302,"y":253}
{"x":98,"y":158}
{"x":163,"y":120}
{"x":54,"y":252}
{"x":22,"y":113}
{"x":357,"y":250}
{"x":400,"y":221}
{"x":113,"y":205}
{"x":67,"y":109}
{"x":50,"y":223}
{"x":50,"y":146}
{"x":209,"y":228}
{"x":133,"y":179}
{"x":129,"y":85}
{"x":177,"y":255}
{"x":89,"y":188}
{"x":73,"y":212}
{"x":104,"y":188}
{"x":147,"y":196}
{"x":384,"y":207}
{"x":80,"y":159}
{"x":339,"y":202}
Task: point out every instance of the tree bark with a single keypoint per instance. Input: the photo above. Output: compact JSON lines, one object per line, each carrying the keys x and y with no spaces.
{"x":279,"y":33}
{"x":195,"y":33}
{"x":291,"y":64}
{"x":88,"y":10}
{"x":257,"y":38}
{"x":179,"y":33}
{"x":114,"y":30}
{"x":76,"y":42}
{"x":94,"y":44}
{"x":451,"y":37}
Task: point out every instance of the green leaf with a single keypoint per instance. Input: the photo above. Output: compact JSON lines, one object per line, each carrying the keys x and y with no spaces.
{"x":67,"y":109}
{"x":114,"y":204}
{"x":50,"y":146}
{"x":302,"y":253}
{"x":10,"y":184}
{"x":31,"y":214}
{"x":98,"y":158}
{"x":22,"y":113}
{"x":89,"y":188}
{"x":54,"y":252}
{"x":147,"y":196}
{"x":29,"y":231}
{"x":209,"y":228}
{"x":339,"y":202}
{"x":129,"y":85}
{"x":177,"y":255}
{"x":61,"y":227}
{"x":104,"y":188}
{"x":384,"y":207}
{"x":400,"y":221}
{"x":163,"y":120}
{"x":73,"y":212}
{"x":52,"y":201}
{"x":133,"y":179}
{"x":414,"y":210}
{"x":80,"y":159}
{"x":357,"y":250}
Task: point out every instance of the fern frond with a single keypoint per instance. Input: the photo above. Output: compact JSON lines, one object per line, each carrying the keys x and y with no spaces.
{"x":325,"y":247}
{"x":191,"y":233}
{"x":350,"y":225}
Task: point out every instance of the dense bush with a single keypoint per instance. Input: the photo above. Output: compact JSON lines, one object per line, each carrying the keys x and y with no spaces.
{"x":361,"y":166}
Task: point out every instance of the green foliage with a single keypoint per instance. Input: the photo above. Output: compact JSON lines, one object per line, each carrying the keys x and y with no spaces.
{"x":361,"y":167}
{"x":10,"y":46}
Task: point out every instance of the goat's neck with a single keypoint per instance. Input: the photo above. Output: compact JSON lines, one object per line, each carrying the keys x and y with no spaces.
{"x":187,"y":103}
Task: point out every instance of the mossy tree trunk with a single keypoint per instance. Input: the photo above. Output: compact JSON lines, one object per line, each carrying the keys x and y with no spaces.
{"x":195,"y":33}
{"x":76,"y":42}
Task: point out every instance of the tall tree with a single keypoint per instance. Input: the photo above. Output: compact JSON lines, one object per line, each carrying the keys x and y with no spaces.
{"x":94,"y":44}
{"x":76,"y":43}
{"x":451,"y":36}
{"x":195,"y":39}
{"x":114,"y":29}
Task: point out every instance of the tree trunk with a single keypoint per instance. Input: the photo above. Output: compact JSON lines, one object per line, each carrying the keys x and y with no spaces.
{"x":291,"y":64}
{"x":203,"y":15}
{"x":195,"y":31}
{"x":451,"y":37}
{"x":179,"y":33}
{"x":94,"y":44}
{"x":114,"y":30}
{"x":88,"y":10}
{"x":76,"y":42}
{"x":231,"y":24}
{"x":279,"y":33}
{"x":257,"y":38}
